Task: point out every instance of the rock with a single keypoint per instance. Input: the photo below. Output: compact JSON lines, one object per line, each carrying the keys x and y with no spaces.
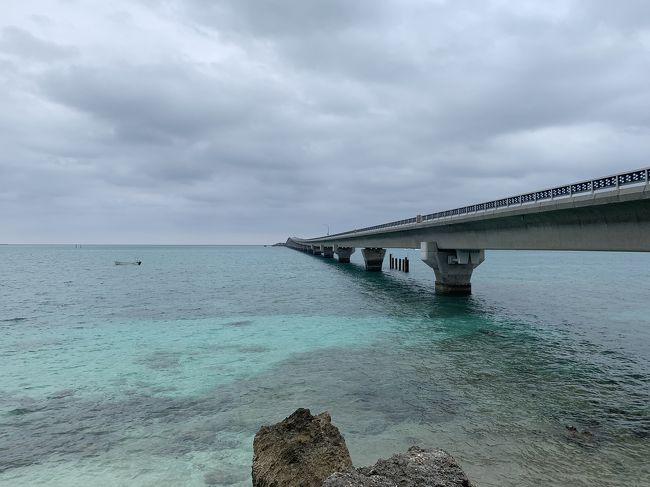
{"x":417,"y":467}
{"x":356,"y":479}
{"x":301,"y":451}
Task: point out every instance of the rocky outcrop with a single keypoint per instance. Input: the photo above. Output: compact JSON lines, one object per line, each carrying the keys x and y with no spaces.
{"x":417,"y":467}
{"x":301,"y":451}
{"x":308,"y":451}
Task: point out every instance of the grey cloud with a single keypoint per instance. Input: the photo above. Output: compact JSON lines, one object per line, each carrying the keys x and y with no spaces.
{"x":148,"y":100}
{"x":180,"y":124}
{"x":23,"y":44}
{"x":282,"y":18}
{"x":634,"y":15}
{"x":339,"y":36}
{"x":472,"y":79}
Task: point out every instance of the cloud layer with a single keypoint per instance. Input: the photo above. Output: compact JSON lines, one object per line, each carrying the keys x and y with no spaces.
{"x":245,"y":122}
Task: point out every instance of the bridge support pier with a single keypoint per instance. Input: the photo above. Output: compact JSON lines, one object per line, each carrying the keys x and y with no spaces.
{"x":344,"y":253}
{"x":373,"y":258}
{"x":315,"y":249}
{"x":328,"y":252}
{"x":453,"y":268}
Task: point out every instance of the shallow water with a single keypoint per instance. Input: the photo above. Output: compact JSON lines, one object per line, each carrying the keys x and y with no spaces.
{"x":161,"y":374}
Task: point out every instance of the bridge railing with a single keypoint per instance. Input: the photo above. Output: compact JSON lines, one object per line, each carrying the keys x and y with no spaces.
{"x":569,"y":190}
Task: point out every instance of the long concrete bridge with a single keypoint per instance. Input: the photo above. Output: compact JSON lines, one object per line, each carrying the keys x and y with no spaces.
{"x":611,"y":213}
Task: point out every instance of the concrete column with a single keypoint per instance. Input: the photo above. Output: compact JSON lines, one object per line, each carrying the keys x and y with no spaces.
{"x":344,"y":253}
{"x":315,"y":249}
{"x":374,"y":258}
{"x":328,"y":251}
{"x":453,"y":268}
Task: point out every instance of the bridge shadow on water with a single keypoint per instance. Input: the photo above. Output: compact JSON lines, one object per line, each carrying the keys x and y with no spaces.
{"x":406,"y":296}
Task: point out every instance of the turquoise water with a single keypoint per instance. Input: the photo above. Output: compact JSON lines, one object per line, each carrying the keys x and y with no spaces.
{"x":161,"y":374}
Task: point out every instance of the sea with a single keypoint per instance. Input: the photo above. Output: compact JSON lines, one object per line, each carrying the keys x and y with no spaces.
{"x":161,"y":374}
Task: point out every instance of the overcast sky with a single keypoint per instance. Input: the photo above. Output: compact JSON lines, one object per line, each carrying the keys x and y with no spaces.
{"x":246,"y":121}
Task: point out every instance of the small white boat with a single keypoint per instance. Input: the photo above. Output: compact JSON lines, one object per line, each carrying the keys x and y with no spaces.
{"x":121,"y":262}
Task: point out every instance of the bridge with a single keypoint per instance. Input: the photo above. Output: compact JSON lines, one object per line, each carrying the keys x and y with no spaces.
{"x":611,"y":213}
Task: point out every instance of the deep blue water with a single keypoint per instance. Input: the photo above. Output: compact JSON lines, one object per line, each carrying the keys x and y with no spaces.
{"x":161,"y":374}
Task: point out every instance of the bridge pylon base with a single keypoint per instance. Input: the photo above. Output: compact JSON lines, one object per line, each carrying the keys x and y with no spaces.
{"x":453,"y":268}
{"x":344,"y":253}
{"x":453,"y":289}
{"x":373,"y":258}
{"x":328,"y":252}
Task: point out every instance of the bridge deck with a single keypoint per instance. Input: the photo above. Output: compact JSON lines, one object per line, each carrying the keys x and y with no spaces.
{"x":611,"y":213}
